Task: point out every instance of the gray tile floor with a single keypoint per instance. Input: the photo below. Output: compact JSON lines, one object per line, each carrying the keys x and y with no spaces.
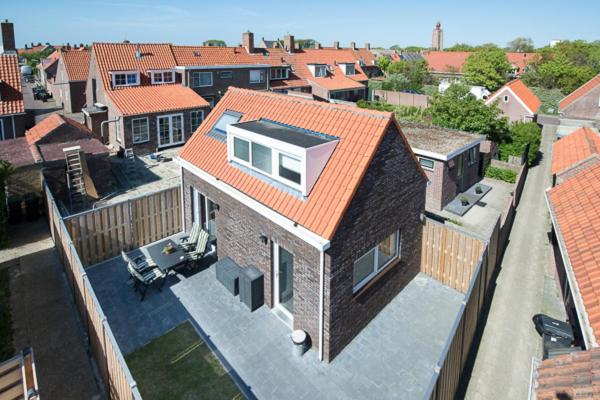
{"x":393,"y":357}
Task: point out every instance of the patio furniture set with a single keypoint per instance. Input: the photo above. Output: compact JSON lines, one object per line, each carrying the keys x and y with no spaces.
{"x":157,"y":260}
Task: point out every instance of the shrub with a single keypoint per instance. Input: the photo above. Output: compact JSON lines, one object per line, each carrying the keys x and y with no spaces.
{"x":520,"y":135}
{"x":501,"y":174}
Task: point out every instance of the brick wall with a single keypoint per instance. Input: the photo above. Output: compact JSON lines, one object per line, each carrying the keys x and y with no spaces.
{"x":240,"y":78}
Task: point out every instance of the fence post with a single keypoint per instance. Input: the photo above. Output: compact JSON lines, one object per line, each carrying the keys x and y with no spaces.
{"x":103,"y":322}
{"x":134,"y":235}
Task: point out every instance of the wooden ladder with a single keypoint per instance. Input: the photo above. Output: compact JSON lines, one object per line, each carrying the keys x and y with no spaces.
{"x":77,"y":193}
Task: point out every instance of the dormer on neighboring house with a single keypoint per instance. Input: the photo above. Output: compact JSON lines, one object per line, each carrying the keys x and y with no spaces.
{"x":348,"y":68}
{"x":318,"y":70}
{"x":161,"y":76}
{"x":280,"y":73}
{"x":124,"y":78}
{"x":289,"y":155}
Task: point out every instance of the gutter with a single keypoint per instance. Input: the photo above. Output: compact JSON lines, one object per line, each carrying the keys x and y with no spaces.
{"x":232,"y":66}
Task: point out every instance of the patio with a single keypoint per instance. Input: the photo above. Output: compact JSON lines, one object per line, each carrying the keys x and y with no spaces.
{"x":393,"y":357}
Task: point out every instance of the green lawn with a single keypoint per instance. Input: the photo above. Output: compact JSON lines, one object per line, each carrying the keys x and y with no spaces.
{"x":6,"y":339}
{"x":179,"y":365}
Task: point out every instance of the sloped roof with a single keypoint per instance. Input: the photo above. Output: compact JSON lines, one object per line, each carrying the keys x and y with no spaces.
{"x":77,"y":64}
{"x":136,"y":100}
{"x":449,"y":61}
{"x":574,"y":148}
{"x":189,"y":56}
{"x":575,"y":207}
{"x":360,"y":132}
{"x":527,"y":97}
{"x":17,"y":152}
{"x":51,"y":59}
{"x":579,"y":92}
{"x":11,"y":94}
{"x":574,"y":376}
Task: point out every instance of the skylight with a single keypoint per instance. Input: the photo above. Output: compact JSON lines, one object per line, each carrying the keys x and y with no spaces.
{"x":219,"y":129}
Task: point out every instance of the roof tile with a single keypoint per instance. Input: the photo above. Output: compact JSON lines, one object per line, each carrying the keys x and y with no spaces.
{"x":11,"y":94}
{"x":574,"y":148}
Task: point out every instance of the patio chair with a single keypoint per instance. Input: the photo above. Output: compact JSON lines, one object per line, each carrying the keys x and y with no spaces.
{"x":148,"y":277}
{"x":192,"y":257}
{"x":140,"y":263}
{"x":188,"y":242}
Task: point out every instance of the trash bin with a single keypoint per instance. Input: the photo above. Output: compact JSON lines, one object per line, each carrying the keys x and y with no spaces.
{"x":300,"y":342}
{"x":553,"y":327}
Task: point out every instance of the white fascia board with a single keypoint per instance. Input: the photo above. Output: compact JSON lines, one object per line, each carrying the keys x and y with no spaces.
{"x":449,"y":156}
{"x":295,"y":229}
{"x":232,"y":66}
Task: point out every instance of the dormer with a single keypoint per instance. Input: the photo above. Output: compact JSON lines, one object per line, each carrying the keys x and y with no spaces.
{"x":288,"y":155}
{"x":124,"y":78}
{"x":161,"y":76}
{"x":318,"y":70}
{"x":348,"y":68}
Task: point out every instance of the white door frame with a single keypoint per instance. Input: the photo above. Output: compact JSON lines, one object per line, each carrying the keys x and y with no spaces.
{"x":196,"y":208}
{"x":289,"y":318}
{"x":169,"y":117}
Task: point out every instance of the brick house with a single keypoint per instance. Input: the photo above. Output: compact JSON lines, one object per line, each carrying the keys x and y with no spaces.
{"x":135,"y":98}
{"x":517,"y":102}
{"x":70,"y":81}
{"x":583,"y":102}
{"x":450,"y":159}
{"x":574,"y":153}
{"x":12,"y":107}
{"x":308,"y":193}
{"x":47,"y":70}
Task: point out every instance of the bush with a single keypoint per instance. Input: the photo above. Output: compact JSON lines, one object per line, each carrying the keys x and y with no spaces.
{"x":376,"y":105}
{"x":520,"y":135}
{"x":550,"y":99}
{"x":501,"y":174}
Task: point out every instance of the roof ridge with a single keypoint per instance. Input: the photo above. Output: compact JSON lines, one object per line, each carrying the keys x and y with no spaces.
{"x":580,"y":91}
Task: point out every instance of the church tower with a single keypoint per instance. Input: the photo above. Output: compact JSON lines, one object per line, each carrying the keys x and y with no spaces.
{"x":437,"y":39}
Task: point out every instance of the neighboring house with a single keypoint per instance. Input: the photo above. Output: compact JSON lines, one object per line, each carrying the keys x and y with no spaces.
{"x":574,"y":153}
{"x":450,"y":63}
{"x":268,"y":44}
{"x":517,"y":102}
{"x":47,"y":70}
{"x":450,"y":159}
{"x":12,"y":106}
{"x":69,"y":84}
{"x":135,"y":98}
{"x":324,"y":199}
{"x":583,"y":103}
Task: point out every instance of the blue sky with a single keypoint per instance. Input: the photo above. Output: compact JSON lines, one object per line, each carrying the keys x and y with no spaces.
{"x":386,"y":23}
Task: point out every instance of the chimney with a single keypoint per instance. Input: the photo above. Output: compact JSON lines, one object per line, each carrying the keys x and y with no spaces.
{"x":353,"y":45}
{"x":289,"y":44}
{"x":318,"y":45}
{"x":8,"y":37}
{"x":248,"y":41}
{"x":368,"y":46}
{"x":336,"y":45}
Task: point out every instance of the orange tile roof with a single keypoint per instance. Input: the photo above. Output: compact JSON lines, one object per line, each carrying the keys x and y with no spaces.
{"x":51,"y":59}
{"x":49,"y":124}
{"x":449,"y":61}
{"x":213,"y":55}
{"x":523,"y":92}
{"x":574,"y":376}
{"x":579,"y":92}
{"x":11,"y":95}
{"x":77,"y":64}
{"x":360,"y":132}
{"x":574,"y":148}
{"x":575,"y":205}
{"x":136,"y":100}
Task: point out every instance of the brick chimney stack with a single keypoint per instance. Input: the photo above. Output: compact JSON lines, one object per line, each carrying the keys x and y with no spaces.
{"x":336,"y":45}
{"x":318,"y":45}
{"x":353,"y":45}
{"x":8,"y":37}
{"x":368,"y":46}
{"x":248,"y":41}
{"x":289,"y":44}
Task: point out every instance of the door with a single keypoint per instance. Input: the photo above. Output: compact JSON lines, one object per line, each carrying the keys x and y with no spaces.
{"x":283,"y":282}
{"x":204,"y":212}
{"x":170,"y":130}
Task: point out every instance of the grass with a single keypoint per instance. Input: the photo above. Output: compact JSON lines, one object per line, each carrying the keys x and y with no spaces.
{"x":6,"y":335}
{"x":502,"y":174}
{"x":550,"y":99}
{"x":179,"y":365}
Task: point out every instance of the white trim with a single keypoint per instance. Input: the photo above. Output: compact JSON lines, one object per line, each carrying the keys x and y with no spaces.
{"x":376,"y":271}
{"x":199,"y":86}
{"x":113,"y":75}
{"x":292,"y":227}
{"x":170,"y":118}
{"x":428,"y":159}
{"x":321,"y":301}
{"x":147,"y":130}
{"x":449,"y":156}
{"x":233,"y":66}
{"x":162,"y":72}
{"x":191,"y":127}
{"x":490,"y":99}
{"x":181,"y":195}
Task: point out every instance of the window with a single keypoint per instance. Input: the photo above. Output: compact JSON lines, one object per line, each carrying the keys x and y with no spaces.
{"x":279,"y":73}
{"x":289,"y":168}
{"x":257,"y":76}
{"x":472,"y":156}
{"x":224,"y":120}
{"x":375,"y":260}
{"x":125,"y":79}
{"x":261,"y":157}
{"x":140,"y":130}
{"x":118,"y":131}
{"x":196,"y":118}
{"x":241,"y":149}
{"x":211,"y":100}
{"x":505,"y":98}
{"x":426,"y":163}
{"x":350,"y":69}
{"x":159,"y":77}
{"x":170,"y":129}
{"x":202,"y":79}
{"x":226,"y":74}
{"x":320,"y":70}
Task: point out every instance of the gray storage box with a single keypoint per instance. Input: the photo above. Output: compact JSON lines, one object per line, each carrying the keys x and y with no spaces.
{"x":228,"y":273}
{"x":252,"y":287}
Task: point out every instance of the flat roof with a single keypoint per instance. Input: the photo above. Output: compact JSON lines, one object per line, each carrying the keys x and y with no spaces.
{"x":438,"y":140}
{"x":285,"y":133}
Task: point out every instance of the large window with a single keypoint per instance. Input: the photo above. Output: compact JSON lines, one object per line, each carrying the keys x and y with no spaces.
{"x":196,"y":118}
{"x":170,"y":129}
{"x":261,"y":158}
{"x":289,"y":168}
{"x":472,"y":156}
{"x":375,"y":260}
{"x":159,"y":77}
{"x":257,"y":76}
{"x":320,"y":71}
{"x":279,"y":73}
{"x":426,"y":163}
{"x":140,"y":130}
{"x":125,"y":79}
{"x":241,"y":149}
{"x":201,"y":79}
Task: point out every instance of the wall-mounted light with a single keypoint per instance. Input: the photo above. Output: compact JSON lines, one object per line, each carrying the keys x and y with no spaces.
{"x":264,"y":239}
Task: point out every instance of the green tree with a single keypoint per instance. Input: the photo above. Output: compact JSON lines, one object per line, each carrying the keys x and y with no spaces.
{"x":460,"y":47}
{"x":457,"y":108}
{"x":383,"y":62}
{"x":521,"y":45}
{"x":396,"y":82}
{"x":396,"y":47}
{"x":6,"y":169}
{"x":305,"y":43}
{"x":487,"y":67}
{"x":214,"y":43}
{"x":415,"y":73}
{"x":520,"y":135}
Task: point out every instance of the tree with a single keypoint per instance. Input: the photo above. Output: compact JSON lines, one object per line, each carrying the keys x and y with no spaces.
{"x":460,"y":47}
{"x":6,"y":169}
{"x":520,"y":135}
{"x":396,"y":47}
{"x":305,"y":43}
{"x":457,"y":108}
{"x":487,"y":67}
{"x":415,"y":73}
{"x":396,"y":82}
{"x":521,"y":45}
{"x":215,"y":43}
{"x":383,"y":62}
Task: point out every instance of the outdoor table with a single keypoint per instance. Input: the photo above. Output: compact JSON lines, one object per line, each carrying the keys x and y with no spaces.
{"x":164,"y":261}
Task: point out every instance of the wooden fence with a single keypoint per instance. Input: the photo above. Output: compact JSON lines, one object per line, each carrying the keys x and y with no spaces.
{"x":401,"y":98}
{"x":102,"y":233}
{"x":104,"y":348}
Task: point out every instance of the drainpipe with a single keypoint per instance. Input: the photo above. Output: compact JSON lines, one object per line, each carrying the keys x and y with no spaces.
{"x":321,"y":301}
{"x":103,"y":123}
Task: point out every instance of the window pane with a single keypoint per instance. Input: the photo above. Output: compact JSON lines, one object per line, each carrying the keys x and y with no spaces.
{"x":241,"y":149}
{"x":426,"y":163}
{"x":120,"y":79}
{"x":177,"y":126}
{"x":261,"y":157}
{"x":131,"y":79}
{"x":387,"y":250}
{"x":226,"y":119}
{"x":364,"y":266}
{"x":163,"y":130}
{"x":140,"y":130}
{"x":289,"y":168}
{"x":158,"y":78}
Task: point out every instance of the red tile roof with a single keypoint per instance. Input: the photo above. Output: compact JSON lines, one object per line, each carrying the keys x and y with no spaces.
{"x":453,"y":61}
{"x":212,"y":55}
{"x":137,"y":100}
{"x":520,"y":90}
{"x":45,"y":127}
{"x":575,"y":205}
{"x":51,"y":59}
{"x":574,"y":148}
{"x":11,"y":95}
{"x":77,"y":64}
{"x":574,"y":376}
{"x":579,"y":92}
{"x":360,"y":132}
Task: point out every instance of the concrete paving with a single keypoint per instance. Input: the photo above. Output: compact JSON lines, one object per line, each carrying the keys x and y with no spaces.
{"x":503,"y":364}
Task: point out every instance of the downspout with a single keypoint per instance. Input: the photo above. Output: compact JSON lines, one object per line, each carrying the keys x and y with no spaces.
{"x":321,"y":301}
{"x":103,"y":123}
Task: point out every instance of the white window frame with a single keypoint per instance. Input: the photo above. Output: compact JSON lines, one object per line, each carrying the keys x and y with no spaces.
{"x":378,"y":270}
{"x":284,"y":75}
{"x":153,"y":75}
{"x":170,"y":118}
{"x":427,"y":159}
{"x":199,"y":74}
{"x":147,"y":130}
{"x":261,"y":73}
{"x":114,"y":74}
{"x":191,"y":119}
{"x":346,"y":66}
{"x":505,"y":98}
{"x":320,"y":68}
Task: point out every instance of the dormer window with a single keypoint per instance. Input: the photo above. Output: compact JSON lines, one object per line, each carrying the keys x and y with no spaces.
{"x":348,"y":68}
{"x":160,"y":77}
{"x":279,"y":73}
{"x":318,"y":70}
{"x":125,"y":78}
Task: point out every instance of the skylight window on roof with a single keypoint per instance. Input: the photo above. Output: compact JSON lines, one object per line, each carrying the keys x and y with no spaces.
{"x":219,"y":129}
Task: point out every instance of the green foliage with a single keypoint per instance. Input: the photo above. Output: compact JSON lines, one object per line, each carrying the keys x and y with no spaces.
{"x":215,"y":43}
{"x":375,"y":84}
{"x":6,"y":169}
{"x":457,"y":108}
{"x":406,"y":75}
{"x":396,"y":82}
{"x":520,"y":135}
{"x":413,"y":49}
{"x":550,"y":99}
{"x":502,"y":174}
{"x":460,"y":47}
{"x":402,"y":113}
{"x":305,"y":43}
{"x":383,"y":62}
{"x":395,"y":47}
{"x":521,"y":45}
{"x":487,"y":67}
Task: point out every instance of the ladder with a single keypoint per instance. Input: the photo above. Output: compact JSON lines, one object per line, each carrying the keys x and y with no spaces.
{"x":77,"y":193}
{"x":130,"y":167}
{"x":18,"y":380}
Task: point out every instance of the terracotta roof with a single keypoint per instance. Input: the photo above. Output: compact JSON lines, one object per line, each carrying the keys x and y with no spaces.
{"x":360,"y":132}
{"x":11,"y":95}
{"x":575,"y":205}
{"x":77,"y":64}
{"x":447,"y":61}
{"x":574,"y":148}
{"x":520,"y":90}
{"x":213,"y":55}
{"x":51,"y":123}
{"x":136,"y":100}
{"x":574,"y":376}
{"x":579,"y":92}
